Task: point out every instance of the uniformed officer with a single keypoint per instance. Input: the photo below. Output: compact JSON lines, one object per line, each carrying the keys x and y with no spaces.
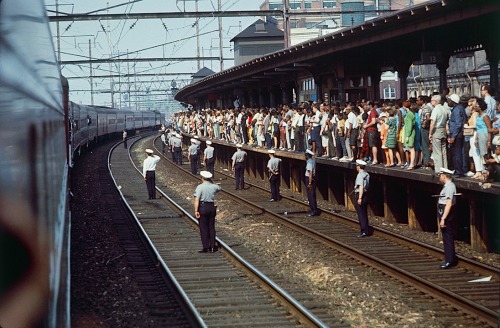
{"x":198,"y":144}
{"x":310,"y":180}
{"x":238,"y":166}
{"x":176,"y":143}
{"x":148,"y":172}
{"x":273,"y":166}
{"x":361,"y":197}
{"x":193,"y":156}
{"x":208,"y":157}
{"x":446,"y":217}
{"x":163,"y":141}
{"x":205,"y":211}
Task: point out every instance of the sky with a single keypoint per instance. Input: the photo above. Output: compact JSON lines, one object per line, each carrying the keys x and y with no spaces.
{"x":143,"y":38}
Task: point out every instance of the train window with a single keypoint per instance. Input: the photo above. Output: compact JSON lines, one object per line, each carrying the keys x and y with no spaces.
{"x":112,"y":121}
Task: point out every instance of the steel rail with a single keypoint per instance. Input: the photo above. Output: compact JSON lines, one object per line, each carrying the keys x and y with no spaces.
{"x":426,"y":286}
{"x":296,"y":308}
{"x":409,"y":242}
{"x":185,"y":299}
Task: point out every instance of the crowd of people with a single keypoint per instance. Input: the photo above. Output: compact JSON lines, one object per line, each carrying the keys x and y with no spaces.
{"x":429,"y":132}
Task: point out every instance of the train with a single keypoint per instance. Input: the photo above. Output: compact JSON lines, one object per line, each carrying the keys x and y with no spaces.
{"x":41,"y":132}
{"x":91,"y":124}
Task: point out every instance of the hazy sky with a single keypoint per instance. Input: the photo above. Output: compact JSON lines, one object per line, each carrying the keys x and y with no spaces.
{"x":168,"y":38}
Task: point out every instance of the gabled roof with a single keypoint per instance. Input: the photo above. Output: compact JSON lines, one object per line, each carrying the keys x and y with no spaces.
{"x":204,"y":72}
{"x":258,"y":30}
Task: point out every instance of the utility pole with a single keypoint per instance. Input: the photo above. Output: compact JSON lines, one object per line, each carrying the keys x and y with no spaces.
{"x":58,"y":34}
{"x":91,"y":76}
{"x":286,"y":22}
{"x":197,"y":35}
{"x":220,"y":38}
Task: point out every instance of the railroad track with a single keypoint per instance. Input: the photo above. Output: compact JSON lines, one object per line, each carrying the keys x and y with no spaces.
{"x":224,"y":289}
{"x":402,"y":258}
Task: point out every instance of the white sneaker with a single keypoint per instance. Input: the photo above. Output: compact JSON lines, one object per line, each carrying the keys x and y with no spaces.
{"x":469,"y":174}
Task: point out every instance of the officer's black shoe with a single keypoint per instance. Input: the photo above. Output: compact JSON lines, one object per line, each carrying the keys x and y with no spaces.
{"x":362,"y":234}
{"x":447,"y":265}
{"x":213,"y":250}
{"x":205,"y":250}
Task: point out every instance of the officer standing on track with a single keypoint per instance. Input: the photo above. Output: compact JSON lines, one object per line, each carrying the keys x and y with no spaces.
{"x":238,"y":166}
{"x":148,"y":172}
{"x":361,"y":197}
{"x":273,"y":166}
{"x":163,"y":142}
{"x":310,"y":180}
{"x":208,"y":157}
{"x":205,"y":211}
{"x":446,"y":217}
{"x":176,"y":143}
{"x":193,"y":156}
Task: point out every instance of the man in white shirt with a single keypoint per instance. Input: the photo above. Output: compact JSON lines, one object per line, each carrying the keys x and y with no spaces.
{"x":148,"y":172}
{"x":352,"y":126}
{"x":489,"y":100}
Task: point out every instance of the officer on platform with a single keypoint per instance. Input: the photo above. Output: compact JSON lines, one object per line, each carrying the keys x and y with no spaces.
{"x":205,"y":211}
{"x":361,"y":197}
{"x":148,"y":172}
{"x":273,"y":166}
{"x":238,"y":166}
{"x":446,"y":217}
{"x":208,"y":157}
{"x":310,"y":180}
{"x":193,"y":156}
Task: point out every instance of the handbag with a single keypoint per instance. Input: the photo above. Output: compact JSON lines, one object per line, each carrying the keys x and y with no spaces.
{"x":468,"y":132}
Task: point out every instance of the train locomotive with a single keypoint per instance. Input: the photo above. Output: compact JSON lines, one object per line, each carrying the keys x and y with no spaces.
{"x":40,"y":131}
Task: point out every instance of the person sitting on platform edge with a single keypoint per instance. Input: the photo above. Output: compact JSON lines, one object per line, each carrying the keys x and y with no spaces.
{"x":446,"y":217}
{"x":205,"y":211}
{"x":148,"y":172}
{"x":310,"y":181}
{"x":361,"y":197}
{"x":273,"y":166}
{"x":238,"y":166}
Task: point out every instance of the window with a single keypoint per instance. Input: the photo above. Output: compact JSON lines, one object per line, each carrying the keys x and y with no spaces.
{"x":295,"y":5}
{"x":389,"y":92}
{"x":275,"y":6}
{"x":329,"y":4}
{"x":307,"y":5}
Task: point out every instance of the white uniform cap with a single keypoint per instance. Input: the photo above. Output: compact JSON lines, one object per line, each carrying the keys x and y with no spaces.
{"x":238,"y":145}
{"x":444,"y":170}
{"x":360,"y":162}
{"x":206,"y":174}
{"x":193,"y":140}
{"x":149,"y":151}
{"x":196,"y":137}
{"x":209,"y":142}
{"x":455,"y":98}
{"x":310,"y":152}
{"x":271,"y":151}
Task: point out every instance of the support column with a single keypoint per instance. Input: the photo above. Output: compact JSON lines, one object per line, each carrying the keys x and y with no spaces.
{"x":477,"y":226}
{"x":318,"y":81}
{"x":341,"y":90}
{"x":412,"y":206}
{"x":296,"y":178}
{"x":443,"y":81}
{"x":272,"y":97}
{"x":375,"y":79}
